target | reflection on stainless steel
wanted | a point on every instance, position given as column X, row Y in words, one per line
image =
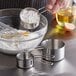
column 65, row 67
column 42, row 10
column 62, row 65
column 25, row 60
column 54, row 49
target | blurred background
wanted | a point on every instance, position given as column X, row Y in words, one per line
column 4, row 4
column 22, row 3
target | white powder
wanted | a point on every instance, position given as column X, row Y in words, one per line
column 15, row 42
column 29, row 16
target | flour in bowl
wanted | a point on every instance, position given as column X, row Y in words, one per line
column 18, row 40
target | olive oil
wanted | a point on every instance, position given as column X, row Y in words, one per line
column 64, row 16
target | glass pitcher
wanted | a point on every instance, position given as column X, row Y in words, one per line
column 54, row 5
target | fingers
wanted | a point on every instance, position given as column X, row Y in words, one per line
column 51, row 3
column 56, row 7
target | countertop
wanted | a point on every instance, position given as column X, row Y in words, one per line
column 66, row 67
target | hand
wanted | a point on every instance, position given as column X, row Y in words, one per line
column 54, row 5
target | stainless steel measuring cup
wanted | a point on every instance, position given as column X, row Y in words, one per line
column 54, row 50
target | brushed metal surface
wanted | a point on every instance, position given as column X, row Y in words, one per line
column 66, row 67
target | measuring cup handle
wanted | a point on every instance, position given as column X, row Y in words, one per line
column 42, row 10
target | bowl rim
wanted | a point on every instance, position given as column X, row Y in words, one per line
column 40, row 35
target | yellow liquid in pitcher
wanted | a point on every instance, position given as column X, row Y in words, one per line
column 64, row 16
